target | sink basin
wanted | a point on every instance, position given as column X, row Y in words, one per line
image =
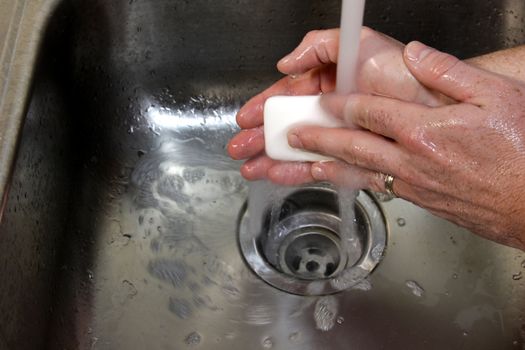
column 120, row 218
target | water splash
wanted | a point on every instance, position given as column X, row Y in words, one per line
column 294, row 337
column 351, row 278
column 365, row 285
column 348, row 230
column 325, row 313
column 415, row 288
column 377, row 252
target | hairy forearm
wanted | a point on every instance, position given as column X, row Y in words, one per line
column 510, row 62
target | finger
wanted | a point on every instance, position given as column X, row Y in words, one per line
column 290, row 173
column 310, row 83
column 257, row 168
column 348, row 176
column 283, row 173
column 356, row 147
column 381, row 115
column 447, row 74
column 319, row 47
column 247, row 143
column 403, row 189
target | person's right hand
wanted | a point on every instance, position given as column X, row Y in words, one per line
column 310, row 70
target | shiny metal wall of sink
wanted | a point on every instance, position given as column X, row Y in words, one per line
column 120, row 213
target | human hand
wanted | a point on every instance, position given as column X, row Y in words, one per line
column 310, row 70
column 464, row 162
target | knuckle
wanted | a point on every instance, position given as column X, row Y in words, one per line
column 363, row 157
column 379, row 119
column 440, row 64
column 506, row 91
column 416, row 137
column 349, row 153
column 408, row 177
column 352, row 111
column 376, row 160
column 372, row 118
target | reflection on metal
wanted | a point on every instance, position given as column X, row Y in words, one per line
column 120, row 224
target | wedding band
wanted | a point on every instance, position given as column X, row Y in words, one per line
column 389, row 185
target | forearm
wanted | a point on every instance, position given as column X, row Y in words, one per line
column 510, row 62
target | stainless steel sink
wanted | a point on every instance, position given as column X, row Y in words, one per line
column 121, row 208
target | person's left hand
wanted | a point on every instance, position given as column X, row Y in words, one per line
column 464, row 162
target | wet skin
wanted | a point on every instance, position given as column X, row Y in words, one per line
column 453, row 135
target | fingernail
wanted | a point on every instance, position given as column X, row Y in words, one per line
column 318, row 172
column 284, row 60
column 294, row 141
column 416, row 51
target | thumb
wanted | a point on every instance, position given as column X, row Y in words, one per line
column 445, row 73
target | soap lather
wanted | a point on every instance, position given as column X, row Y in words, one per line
column 283, row 113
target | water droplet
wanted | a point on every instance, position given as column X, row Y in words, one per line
column 340, row 320
column 517, row 276
column 377, row 252
column 90, row 274
column 465, row 333
column 455, row 276
column 267, row 343
column 193, row 339
column 129, row 289
column 294, row 336
column 416, row 289
column 401, row 222
column 230, row 335
column 515, row 342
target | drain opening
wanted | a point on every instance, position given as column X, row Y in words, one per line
column 301, row 252
column 310, row 254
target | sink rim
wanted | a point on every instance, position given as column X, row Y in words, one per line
column 23, row 22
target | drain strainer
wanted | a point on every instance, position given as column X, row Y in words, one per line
column 295, row 245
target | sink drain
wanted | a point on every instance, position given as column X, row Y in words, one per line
column 296, row 245
column 310, row 251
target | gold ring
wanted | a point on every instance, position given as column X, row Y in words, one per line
column 389, row 185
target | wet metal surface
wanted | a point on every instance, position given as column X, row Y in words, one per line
column 119, row 229
column 292, row 239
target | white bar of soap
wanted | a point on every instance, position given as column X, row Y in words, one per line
column 282, row 113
